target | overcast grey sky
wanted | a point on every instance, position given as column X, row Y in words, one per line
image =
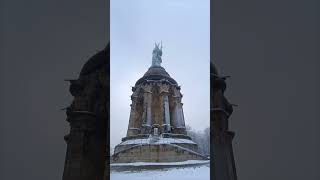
column 184, row 29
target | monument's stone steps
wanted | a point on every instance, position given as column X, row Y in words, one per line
column 156, row 153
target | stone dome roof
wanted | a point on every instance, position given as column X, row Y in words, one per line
column 96, row 61
column 213, row 69
column 156, row 73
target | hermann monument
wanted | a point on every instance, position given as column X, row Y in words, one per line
column 156, row 130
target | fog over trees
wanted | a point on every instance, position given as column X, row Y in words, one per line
column 202, row 138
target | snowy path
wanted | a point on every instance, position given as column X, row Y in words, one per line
column 187, row 173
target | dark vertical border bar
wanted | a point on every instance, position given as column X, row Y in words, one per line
column 212, row 32
column 107, row 133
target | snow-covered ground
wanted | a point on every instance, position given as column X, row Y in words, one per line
column 188, row 162
column 183, row 173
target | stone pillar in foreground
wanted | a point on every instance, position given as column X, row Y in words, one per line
column 220, row 111
column 88, row 116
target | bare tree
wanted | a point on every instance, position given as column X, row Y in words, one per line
column 202, row 138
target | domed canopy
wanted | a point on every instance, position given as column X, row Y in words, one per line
column 213, row 69
column 96, row 61
column 156, row 73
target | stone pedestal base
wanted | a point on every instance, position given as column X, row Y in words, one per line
column 156, row 150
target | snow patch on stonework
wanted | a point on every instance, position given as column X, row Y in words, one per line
column 188, row 162
column 160, row 140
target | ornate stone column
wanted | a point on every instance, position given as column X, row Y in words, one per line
column 164, row 91
column 166, row 123
column 132, row 129
column 181, row 124
column 147, row 102
column 182, row 116
column 177, row 114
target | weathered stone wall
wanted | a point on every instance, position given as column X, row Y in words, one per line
column 155, row 153
column 153, row 95
column 192, row 147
